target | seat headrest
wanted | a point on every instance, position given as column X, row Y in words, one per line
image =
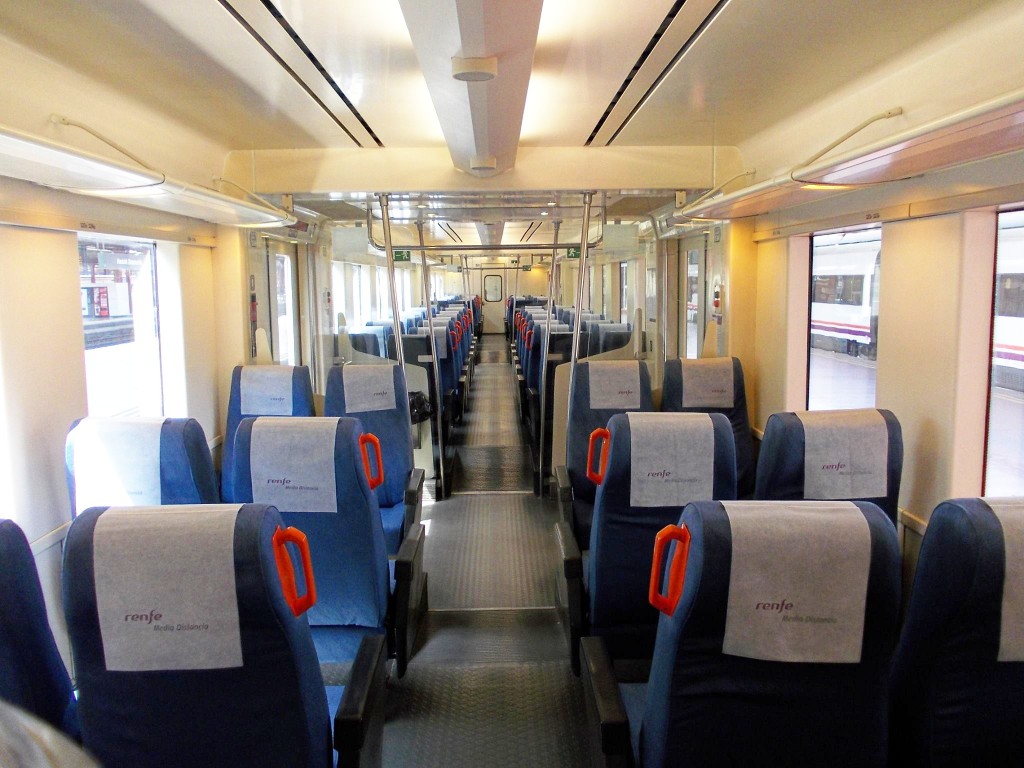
column 1010, row 514
column 708, row 383
column 291, row 463
column 798, row 581
column 615, row 384
column 846, row 454
column 672, row 458
column 368, row 388
column 116, row 461
column 165, row 587
column 266, row 390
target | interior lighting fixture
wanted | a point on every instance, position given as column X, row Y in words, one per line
column 474, row 69
column 59, row 166
column 483, row 163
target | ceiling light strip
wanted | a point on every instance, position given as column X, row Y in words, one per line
column 272, row 9
column 669, row 17
column 284, row 65
column 668, row 69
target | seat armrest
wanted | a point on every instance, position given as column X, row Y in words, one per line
column 606, row 714
column 575, row 593
column 409, row 601
column 414, row 496
column 563, row 492
column 572, row 559
column 359, row 721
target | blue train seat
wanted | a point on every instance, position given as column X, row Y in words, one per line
column 138, row 462
column 779, row 622
column 958, row 672
column 191, row 646
column 316, row 472
column 377, row 396
column 611, row 336
column 261, row 390
column 714, row 385
column 32, row 675
column 853, row 455
column 600, row 390
column 656, row 464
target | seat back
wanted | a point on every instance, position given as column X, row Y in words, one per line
column 714, row 385
column 657, row 463
column 853, row 455
column 261, row 390
column 613, row 336
column 960, row 660
column 377, row 396
column 187, row 651
column 777, row 651
column 311, row 469
column 600, row 390
column 138, row 462
column 32, row 675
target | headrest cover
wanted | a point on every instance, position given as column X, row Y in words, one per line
column 117, row 461
column 369, row 388
column 266, row 390
column 1010, row 513
column 798, row 581
column 672, row 458
column 708, row 383
column 292, row 464
column 615, row 384
column 846, row 454
column 165, row 587
column 440, row 341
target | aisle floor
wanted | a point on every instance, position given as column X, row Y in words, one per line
column 490, row 683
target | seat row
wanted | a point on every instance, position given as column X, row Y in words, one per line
column 641, row 467
column 779, row 642
column 190, row 642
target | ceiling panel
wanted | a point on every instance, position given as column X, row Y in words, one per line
column 759, row 62
column 366, row 47
column 585, row 50
column 189, row 60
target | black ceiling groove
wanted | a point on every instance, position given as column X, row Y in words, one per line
column 272, row 9
column 669, row 17
column 668, row 68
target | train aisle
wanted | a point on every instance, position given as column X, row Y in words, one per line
column 490, row 683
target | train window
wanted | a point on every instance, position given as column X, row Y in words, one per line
column 492, row 288
column 284, row 267
column 623, row 292
column 692, row 296
column 843, row 323
column 1004, row 457
column 122, row 329
column 338, row 300
column 383, row 294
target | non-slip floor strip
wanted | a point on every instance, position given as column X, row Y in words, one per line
column 493, row 468
column 491, row 552
column 496, row 715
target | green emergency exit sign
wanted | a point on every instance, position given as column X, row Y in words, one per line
column 572, row 253
column 403, row 255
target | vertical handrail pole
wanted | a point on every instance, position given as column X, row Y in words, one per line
column 584, row 249
column 395, row 320
column 553, row 286
column 425, row 269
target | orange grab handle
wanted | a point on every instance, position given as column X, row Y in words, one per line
column 371, row 439
column 598, row 434
column 466, row 321
column 529, row 338
column 282, row 536
column 677, row 570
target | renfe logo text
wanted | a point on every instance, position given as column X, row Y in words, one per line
column 144, row 618
column 782, row 605
column 836, row 467
column 282, row 481
column 661, row 474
